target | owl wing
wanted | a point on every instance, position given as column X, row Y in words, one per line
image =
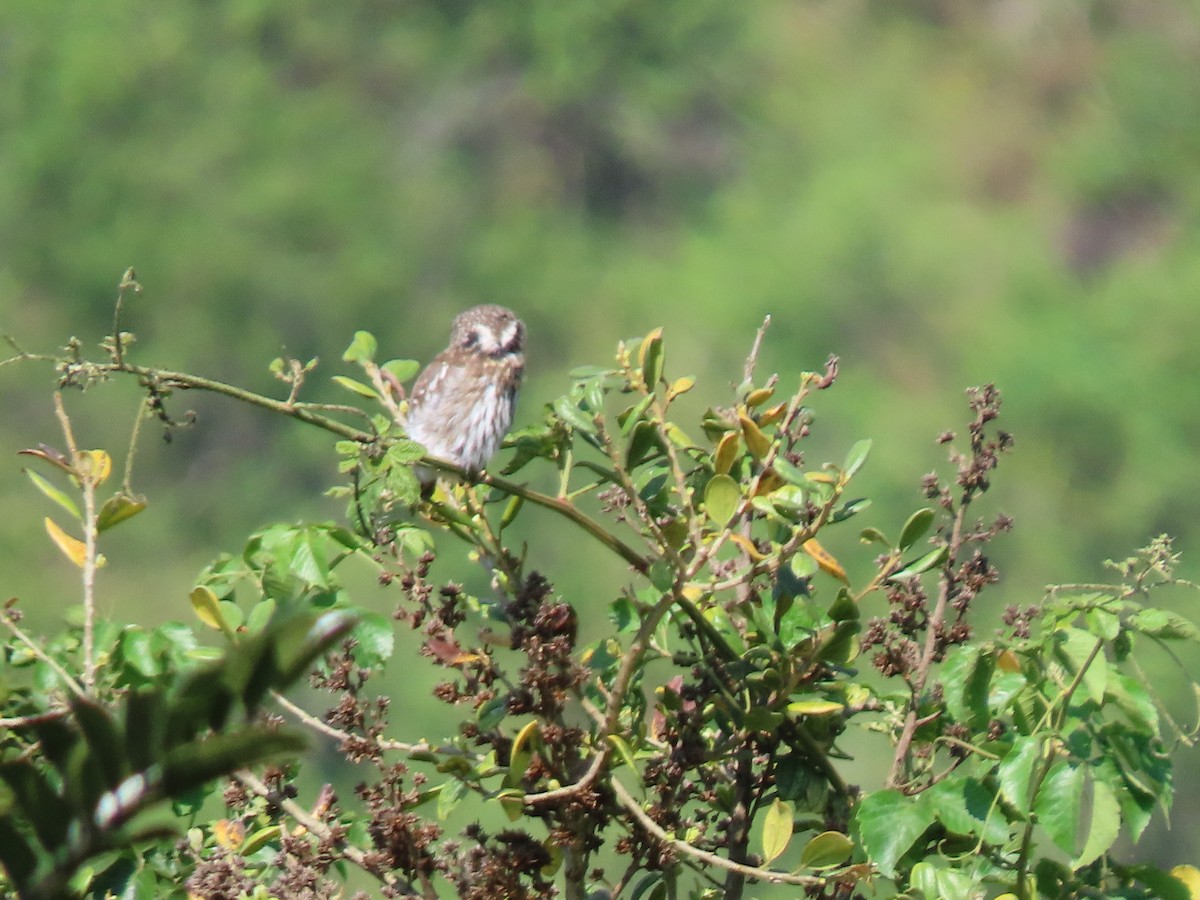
column 443, row 386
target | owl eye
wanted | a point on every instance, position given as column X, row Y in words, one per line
column 472, row 340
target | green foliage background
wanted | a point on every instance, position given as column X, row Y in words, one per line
column 941, row 192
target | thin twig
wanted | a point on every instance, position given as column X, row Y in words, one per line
column 87, row 484
column 50, row 715
column 127, row 481
column 752, row 358
column 933, row 631
column 634, row 808
column 312, row 824
column 337, row 734
column 72, row 685
column 306, row 414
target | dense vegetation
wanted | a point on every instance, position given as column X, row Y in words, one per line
column 942, row 193
column 695, row 749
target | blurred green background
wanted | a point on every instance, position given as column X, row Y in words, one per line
column 942, row 192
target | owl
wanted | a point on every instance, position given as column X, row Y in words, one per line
column 462, row 404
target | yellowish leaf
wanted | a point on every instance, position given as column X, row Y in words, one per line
column 826, row 560
column 117, row 509
column 727, row 451
column 647, row 343
column 814, row 707
column 521, row 754
column 512, row 801
column 93, row 466
column 1007, row 661
column 778, row 824
column 208, row 609
column 73, row 549
column 680, row 386
column 756, row 442
column 229, row 833
column 759, row 397
column 555, row 851
column 722, row 498
column 527, row 736
column 748, row 545
column 772, row 415
column 1190, row 876
column 767, row 482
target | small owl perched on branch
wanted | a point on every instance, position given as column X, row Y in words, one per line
column 462, row 403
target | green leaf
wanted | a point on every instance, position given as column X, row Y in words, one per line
column 915, row 528
column 1162, row 886
column 1016, row 771
column 889, row 823
column 873, row 535
column 934, row 882
column 966, row 676
column 16, row 855
column 924, row 563
column 260, row 615
column 512, row 801
column 777, row 829
column 307, row 560
column 404, row 452
column 574, row 416
column 401, row 369
column 491, row 713
column 53, row 493
column 1163, row 624
column 855, row 459
column 32, row 794
column 105, row 745
column 1003, row 689
column 788, row 472
column 356, row 387
column 451, row 794
column 1134, row 700
column 260, row 839
column 644, row 445
column 721, row 498
column 816, row 706
column 830, row 848
column 1077, row 647
column 623, row 750
column 1104, row 826
column 143, row 726
column 1059, row 803
column 650, row 356
column 631, row 417
column 362, row 348
column 1103, row 624
column 966, row 807
column 135, row 649
column 375, row 637
column 117, row 509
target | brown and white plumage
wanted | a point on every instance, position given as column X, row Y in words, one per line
column 462, row 404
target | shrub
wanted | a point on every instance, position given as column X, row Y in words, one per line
column 695, row 749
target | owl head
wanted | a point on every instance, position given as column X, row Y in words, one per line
column 489, row 330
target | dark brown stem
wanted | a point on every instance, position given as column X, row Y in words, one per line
column 933, row 630
column 739, row 821
column 307, row 414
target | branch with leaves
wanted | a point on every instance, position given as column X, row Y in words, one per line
column 701, row 735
